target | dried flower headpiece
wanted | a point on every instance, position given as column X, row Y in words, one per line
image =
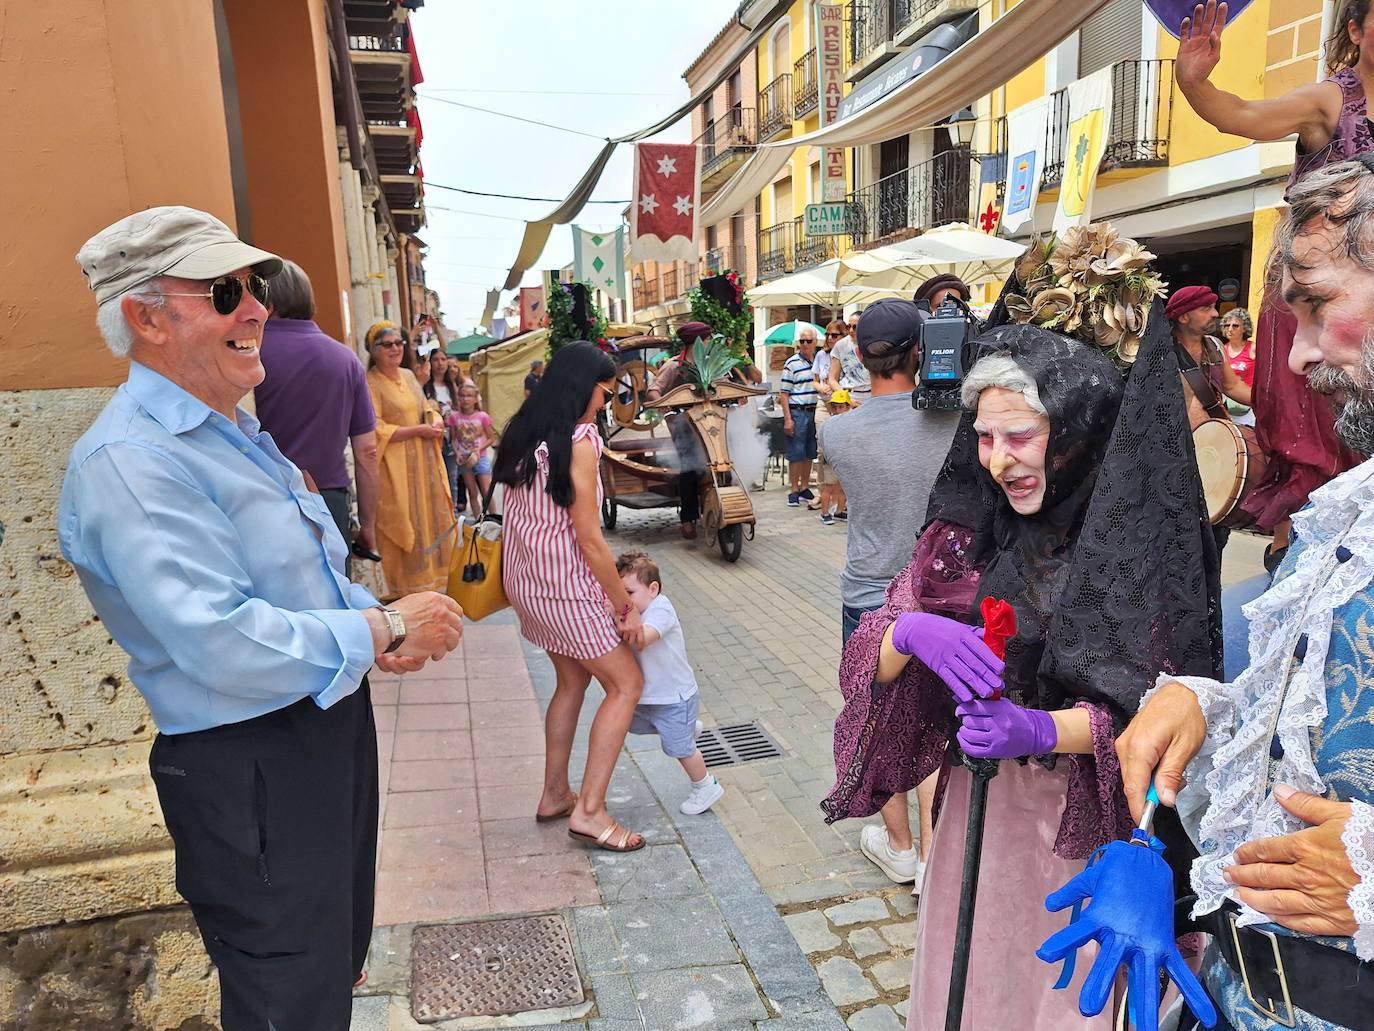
column 1089, row 284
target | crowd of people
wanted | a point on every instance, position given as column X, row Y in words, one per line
column 1049, row 649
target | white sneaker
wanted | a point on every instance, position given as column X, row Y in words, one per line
column 920, row 879
column 900, row 867
column 702, row 798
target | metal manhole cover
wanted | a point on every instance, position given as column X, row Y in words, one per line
column 736, row 743
column 491, row 967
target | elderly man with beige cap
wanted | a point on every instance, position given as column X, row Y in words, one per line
column 221, row 575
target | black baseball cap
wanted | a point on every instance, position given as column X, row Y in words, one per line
column 891, row 320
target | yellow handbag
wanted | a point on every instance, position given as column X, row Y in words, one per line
column 474, row 574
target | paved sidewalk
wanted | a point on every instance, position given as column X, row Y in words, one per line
column 678, row 935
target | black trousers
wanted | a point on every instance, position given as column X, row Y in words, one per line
column 275, row 826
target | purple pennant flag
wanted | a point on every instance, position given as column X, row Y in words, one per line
column 1170, row 13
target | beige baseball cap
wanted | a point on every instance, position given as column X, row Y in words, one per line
column 166, row 241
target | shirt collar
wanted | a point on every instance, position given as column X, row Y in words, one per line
column 172, row 406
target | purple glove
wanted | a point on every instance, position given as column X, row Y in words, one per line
column 952, row 651
column 1004, row 730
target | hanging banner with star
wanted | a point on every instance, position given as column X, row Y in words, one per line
column 667, row 190
column 599, row 259
column 1090, row 108
column 1025, row 161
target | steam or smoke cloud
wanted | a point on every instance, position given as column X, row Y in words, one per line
column 748, row 445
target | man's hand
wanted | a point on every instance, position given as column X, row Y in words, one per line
column 787, row 427
column 399, row 663
column 1301, row 880
column 1160, row 743
column 367, row 537
column 1199, row 43
column 434, row 624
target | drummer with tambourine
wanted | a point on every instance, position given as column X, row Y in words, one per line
column 1228, row 455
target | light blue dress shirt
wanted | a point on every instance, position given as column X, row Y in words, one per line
column 209, row 561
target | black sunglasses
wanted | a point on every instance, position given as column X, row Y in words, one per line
column 829, row 334
column 226, row 292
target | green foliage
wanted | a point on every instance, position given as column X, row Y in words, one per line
column 737, row 330
column 711, row 360
column 562, row 329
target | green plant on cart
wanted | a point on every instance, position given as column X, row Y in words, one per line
column 564, row 330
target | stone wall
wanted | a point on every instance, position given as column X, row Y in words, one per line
column 91, row 925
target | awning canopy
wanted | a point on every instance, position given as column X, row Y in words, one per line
column 464, row 346
column 1009, row 45
column 973, row 256
column 818, row 286
column 924, row 54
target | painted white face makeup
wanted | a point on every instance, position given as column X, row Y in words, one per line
column 1012, row 439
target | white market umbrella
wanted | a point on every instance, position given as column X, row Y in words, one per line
column 816, row 286
column 973, row 256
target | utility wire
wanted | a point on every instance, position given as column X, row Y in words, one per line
column 554, row 92
column 513, row 196
column 516, row 118
column 478, row 214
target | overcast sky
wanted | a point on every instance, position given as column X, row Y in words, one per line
column 538, row 59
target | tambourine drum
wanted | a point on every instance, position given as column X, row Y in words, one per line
column 1230, row 462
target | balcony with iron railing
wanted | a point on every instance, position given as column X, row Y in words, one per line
column 805, row 85
column 1138, row 129
column 725, row 143
column 868, row 35
column 777, row 250
column 719, row 260
column 810, row 251
column 775, row 108
column 915, row 199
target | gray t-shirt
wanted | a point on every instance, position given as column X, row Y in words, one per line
column 886, row 456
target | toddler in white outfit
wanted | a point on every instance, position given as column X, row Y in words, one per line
column 668, row 706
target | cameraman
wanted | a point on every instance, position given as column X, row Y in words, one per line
column 935, row 289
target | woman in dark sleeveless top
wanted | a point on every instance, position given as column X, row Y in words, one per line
column 1329, row 118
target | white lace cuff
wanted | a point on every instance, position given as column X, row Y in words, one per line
column 1218, row 709
column 1358, row 839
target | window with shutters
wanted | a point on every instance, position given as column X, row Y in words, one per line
column 1109, row 36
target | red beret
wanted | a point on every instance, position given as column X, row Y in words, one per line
column 1189, row 298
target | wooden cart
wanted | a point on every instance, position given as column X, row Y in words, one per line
column 639, row 468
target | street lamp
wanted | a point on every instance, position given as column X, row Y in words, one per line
column 962, row 126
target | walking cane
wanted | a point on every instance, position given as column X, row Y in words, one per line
column 999, row 624
column 983, row 770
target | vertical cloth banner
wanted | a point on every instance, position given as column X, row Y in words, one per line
column 599, row 259
column 1170, row 13
column 667, row 192
column 991, row 172
column 830, row 91
column 1090, row 111
column 1025, row 162
column 532, row 314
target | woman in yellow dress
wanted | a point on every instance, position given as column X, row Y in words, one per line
column 415, row 510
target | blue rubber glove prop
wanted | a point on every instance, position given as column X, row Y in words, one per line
column 1131, row 917
column 1001, row 729
column 953, row 651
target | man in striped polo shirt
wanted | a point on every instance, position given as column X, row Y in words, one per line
column 799, row 397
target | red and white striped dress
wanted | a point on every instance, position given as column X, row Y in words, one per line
column 562, row 607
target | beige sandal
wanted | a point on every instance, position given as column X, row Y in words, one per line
column 603, row 840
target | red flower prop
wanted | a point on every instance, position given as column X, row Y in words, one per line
column 999, row 625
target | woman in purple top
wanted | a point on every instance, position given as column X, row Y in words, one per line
column 1329, row 118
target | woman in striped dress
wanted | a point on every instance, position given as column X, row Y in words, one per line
column 561, row 580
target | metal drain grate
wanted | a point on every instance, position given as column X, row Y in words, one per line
column 491, row 967
column 736, row 743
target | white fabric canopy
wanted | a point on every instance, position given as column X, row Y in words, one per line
column 973, row 256
column 752, row 179
column 1009, row 45
column 818, row 286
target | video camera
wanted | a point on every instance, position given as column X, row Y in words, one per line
column 946, row 352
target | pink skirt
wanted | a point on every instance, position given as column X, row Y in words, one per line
column 1008, row 987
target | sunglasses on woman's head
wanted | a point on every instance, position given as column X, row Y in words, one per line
column 226, row 292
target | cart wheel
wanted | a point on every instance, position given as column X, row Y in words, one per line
column 608, row 513
column 731, row 540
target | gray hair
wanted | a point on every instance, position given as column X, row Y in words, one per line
column 1341, row 196
column 290, row 293
column 999, row 370
column 110, row 320
column 1247, row 324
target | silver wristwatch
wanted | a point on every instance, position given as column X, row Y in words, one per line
column 396, row 625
